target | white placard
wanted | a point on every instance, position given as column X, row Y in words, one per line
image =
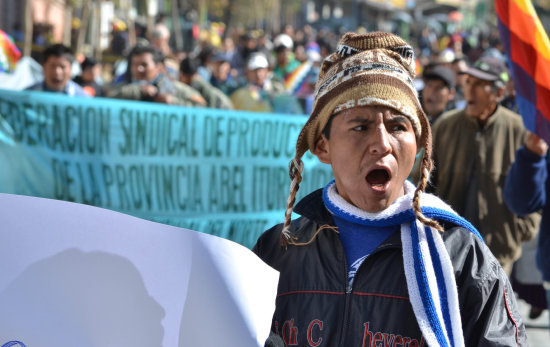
column 76, row 275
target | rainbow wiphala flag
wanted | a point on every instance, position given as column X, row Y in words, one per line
column 9, row 53
column 528, row 50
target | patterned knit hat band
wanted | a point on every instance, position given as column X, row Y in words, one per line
column 366, row 70
column 376, row 60
column 364, row 92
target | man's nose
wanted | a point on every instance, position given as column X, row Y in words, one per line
column 380, row 141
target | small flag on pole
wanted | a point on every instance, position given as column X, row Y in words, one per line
column 528, row 50
column 295, row 80
column 9, row 53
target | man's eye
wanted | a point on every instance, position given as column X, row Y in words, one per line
column 360, row 128
column 398, row 127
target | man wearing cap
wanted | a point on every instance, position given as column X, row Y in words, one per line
column 260, row 90
column 285, row 63
column 438, row 92
column 221, row 77
column 372, row 259
column 474, row 148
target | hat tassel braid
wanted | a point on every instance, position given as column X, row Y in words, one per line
column 295, row 169
column 426, row 168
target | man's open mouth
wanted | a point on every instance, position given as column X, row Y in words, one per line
column 378, row 177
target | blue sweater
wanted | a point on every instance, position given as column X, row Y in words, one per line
column 359, row 241
column 525, row 191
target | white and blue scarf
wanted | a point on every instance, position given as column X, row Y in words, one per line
column 428, row 268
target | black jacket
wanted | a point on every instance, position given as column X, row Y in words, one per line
column 314, row 307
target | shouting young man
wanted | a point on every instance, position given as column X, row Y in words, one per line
column 372, row 260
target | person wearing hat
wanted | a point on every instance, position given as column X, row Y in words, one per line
column 260, row 89
column 446, row 57
column 221, row 76
column 474, row 148
column 285, row 62
column 373, row 258
column 438, row 93
column 119, row 37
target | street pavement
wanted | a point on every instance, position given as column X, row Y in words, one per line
column 538, row 332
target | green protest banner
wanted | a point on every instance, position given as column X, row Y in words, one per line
column 220, row 172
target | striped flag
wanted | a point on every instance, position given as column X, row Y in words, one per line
column 9, row 53
column 295, row 80
column 528, row 50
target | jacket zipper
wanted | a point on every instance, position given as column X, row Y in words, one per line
column 347, row 304
column 349, row 293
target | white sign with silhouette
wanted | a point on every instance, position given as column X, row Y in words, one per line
column 77, row 275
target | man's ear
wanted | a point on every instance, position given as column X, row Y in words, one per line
column 501, row 94
column 322, row 150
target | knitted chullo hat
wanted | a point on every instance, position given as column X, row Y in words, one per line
column 367, row 69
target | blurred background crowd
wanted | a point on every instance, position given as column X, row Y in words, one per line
column 258, row 56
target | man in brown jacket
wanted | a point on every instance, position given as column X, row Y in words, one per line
column 474, row 148
column 146, row 80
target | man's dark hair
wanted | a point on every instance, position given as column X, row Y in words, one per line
column 138, row 49
column 158, row 57
column 205, row 53
column 326, row 129
column 58, row 50
column 189, row 66
column 88, row 62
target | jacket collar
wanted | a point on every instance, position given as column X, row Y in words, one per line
column 492, row 118
column 313, row 208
